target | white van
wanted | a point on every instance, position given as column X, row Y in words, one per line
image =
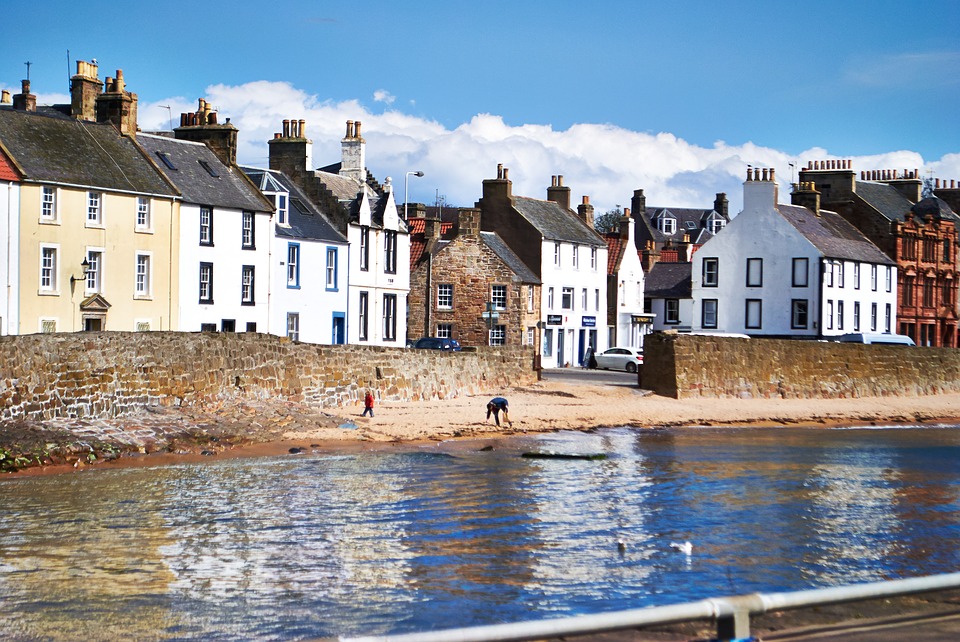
column 877, row 337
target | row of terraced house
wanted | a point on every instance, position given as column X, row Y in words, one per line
column 111, row 228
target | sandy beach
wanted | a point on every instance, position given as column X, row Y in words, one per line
column 244, row 427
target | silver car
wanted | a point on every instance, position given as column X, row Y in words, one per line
column 619, row 359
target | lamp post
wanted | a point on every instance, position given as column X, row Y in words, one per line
column 406, row 184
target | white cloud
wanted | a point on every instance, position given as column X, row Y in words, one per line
column 384, row 96
column 603, row 161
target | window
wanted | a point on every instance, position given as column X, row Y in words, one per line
column 251, row 326
column 856, row 316
column 929, row 250
column 498, row 296
column 209, row 169
column 873, row 279
column 94, row 274
column 671, row 313
column 363, row 316
column 754, row 273
column 293, row 326
column 390, row 317
column 596, row 299
column 839, row 315
column 667, row 224
column 547, row 342
column 909, row 247
column 247, row 234
column 144, row 221
column 709, row 313
column 445, row 296
column 208, row 327
column 48, row 325
column 529, row 298
column 444, row 330
column 390, row 252
column 48, row 269
column 141, row 326
column 715, row 225
column 364, row 249
column 873, row 317
column 331, row 271
column 247, row 289
column 280, row 202
column 840, row 279
column 830, row 315
column 753, row 317
column 583, row 300
column 556, row 254
column 946, row 250
column 799, row 314
column 293, row 265
column 531, row 336
column 576, row 256
column 828, row 274
column 48, row 205
column 566, row 300
column 711, row 267
column 143, row 276
column 206, row 283
column 888, row 319
column 165, row 159
column 889, row 283
column 928, row 301
column 800, row 272
column 856, row 276
column 498, row 335
column 549, row 298
column 206, row 226
column 94, row 209
column 593, row 258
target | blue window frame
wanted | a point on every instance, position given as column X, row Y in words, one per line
column 293, row 265
column 331, row 270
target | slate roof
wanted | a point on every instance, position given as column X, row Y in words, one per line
column 556, row 223
column 668, row 281
column 511, row 260
column 305, row 219
column 833, row 236
column 690, row 221
column 54, row 148
column 228, row 188
column 885, row 199
column 936, row 207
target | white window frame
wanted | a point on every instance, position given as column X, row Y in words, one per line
column 206, row 226
column 566, row 298
column 556, row 254
column 293, row 265
column 282, row 203
column 144, row 215
column 94, row 209
column 205, row 286
column 143, row 275
column 389, row 317
column 363, row 316
column 497, row 335
column 576, row 257
column 331, row 269
column 93, row 281
column 593, row 259
column 248, row 231
column 248, row 283
column 293, row 326
column 444, row 331
column 48, row 206
column 529, row 298
column 498, row 296
column 550, row 298
column 445, row 296
column 49, row 277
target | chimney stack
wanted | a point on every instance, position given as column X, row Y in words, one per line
column 499, row 190
column 469, row 222
column 760, row 190
column 5, row 97
column 289, row 153
column 806, row 195
column 117, row 105
column 85, row 88
column 721, row 205
column 353, row 154
column 584, row 210
column 558, row 193
column 201, row 127
column 25, row 101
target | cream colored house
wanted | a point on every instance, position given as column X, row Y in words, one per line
column 95, row 244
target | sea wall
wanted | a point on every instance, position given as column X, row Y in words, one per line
column 683, row 366
column 44, row 376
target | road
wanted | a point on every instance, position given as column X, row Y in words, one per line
column 594, row 377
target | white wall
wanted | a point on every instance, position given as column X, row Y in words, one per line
column 10, row 265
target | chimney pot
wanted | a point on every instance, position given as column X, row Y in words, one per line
column 303, row 128
column 506, row 173
column 586, row 199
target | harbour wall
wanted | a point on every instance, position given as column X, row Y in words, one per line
column 109, row 374
column 684, row 366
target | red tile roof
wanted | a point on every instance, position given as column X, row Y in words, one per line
column 615, row 246
column 7, row 171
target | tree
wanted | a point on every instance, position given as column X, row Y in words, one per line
column 609, row 221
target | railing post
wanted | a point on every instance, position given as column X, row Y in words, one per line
column 735, row 626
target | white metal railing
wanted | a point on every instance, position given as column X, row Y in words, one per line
column 731, row 614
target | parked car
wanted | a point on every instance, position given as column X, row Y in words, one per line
column 619, row 359
column 436, row 343
column 877, row 337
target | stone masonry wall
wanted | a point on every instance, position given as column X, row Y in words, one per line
column 45, row 376
column 683, row 366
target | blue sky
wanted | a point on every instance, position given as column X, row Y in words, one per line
column 673, row 97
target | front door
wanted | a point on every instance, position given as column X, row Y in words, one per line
column 560, row 347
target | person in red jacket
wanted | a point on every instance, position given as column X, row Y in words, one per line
column 367, row 404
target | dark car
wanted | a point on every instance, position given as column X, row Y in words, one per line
column 435, row 343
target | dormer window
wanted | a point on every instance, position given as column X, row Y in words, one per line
column 667, row 224
column 715, row 224
column 280, row 202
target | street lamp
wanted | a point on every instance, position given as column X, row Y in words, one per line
column 406, row 184
column 85, row 264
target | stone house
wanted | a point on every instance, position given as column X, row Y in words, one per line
column 469, row 285
column 791, row 271
column 365, row 212
column 919, row 234
column 91, row 239
column 565, row 253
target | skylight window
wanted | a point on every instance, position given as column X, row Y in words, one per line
column 205, row 165
column 691, row 225
column 166, row 160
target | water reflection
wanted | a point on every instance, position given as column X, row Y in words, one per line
column 416, row 539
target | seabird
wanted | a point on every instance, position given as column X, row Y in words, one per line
column 686, row 547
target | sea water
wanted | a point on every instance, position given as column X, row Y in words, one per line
column 408, row 538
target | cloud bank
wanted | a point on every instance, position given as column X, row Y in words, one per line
column 603, row 161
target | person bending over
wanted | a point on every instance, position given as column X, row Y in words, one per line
column 497, row 405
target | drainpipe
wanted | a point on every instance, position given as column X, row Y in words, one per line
column 820, row 287
column 428, row 317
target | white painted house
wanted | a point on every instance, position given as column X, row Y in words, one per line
column 222, row 241
column 10, row 230
column 792, row 271
column 366, row 213
column 626, row 318
column 309, row 265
